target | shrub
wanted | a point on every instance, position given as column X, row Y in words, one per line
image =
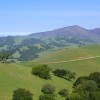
column 60, row 72
column 71, row 75
column 66, row 74
column 80, row 80
column 42, row 71
column 63, row 92
column 22, row 94
column 48, row 89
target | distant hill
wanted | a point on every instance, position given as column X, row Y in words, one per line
column 74, row 31
column 65, row 31
column 69, row 54
column 67, row 59
column 30, row 46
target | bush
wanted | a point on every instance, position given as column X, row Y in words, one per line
column 59, row 72
column 66, row 74
column 48, row 89
column 42, row 71
column 63, row 92
column 47, row 97
column 71, row 75
column 22, row 94
column 80, row 80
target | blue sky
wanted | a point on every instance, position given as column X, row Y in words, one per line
column 18, row 17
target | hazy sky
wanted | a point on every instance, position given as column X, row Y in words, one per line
column 28, row 16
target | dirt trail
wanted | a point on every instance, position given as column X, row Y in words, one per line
column 80, row 59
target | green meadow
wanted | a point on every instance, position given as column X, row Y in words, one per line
column 13, row 76
column 18, row 75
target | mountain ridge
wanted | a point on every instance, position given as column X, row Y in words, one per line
column 66, row 29
column 28, row 47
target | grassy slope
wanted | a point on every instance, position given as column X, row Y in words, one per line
column 81, row 67
column 13, row 76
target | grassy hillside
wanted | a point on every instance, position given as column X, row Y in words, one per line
column 13, row 76
column 69, row 54
column 83, row 67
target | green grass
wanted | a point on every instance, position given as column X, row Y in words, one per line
column 13, row 76
column 68, row 54
column 83, row 67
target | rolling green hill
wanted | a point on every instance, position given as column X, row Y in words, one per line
column 64, row 59
column 13, row 76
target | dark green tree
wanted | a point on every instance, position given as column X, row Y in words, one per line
column 71, row 75
column 43, row 71
column 48, row 89
column 63, row 92
column 60, row 72
column 22, row 94
column 80, row 80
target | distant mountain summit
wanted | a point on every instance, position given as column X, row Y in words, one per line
column 69, row 31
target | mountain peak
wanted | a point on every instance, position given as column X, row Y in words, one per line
column 75, row 26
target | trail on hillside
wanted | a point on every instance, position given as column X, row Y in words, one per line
column 80, row 59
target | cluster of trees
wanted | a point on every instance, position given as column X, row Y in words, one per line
column 84, row 88
column 43, row 71
column 48, row 93
column 9, row 41
column 25, row 55
column 66, row 74
column 30, row 53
